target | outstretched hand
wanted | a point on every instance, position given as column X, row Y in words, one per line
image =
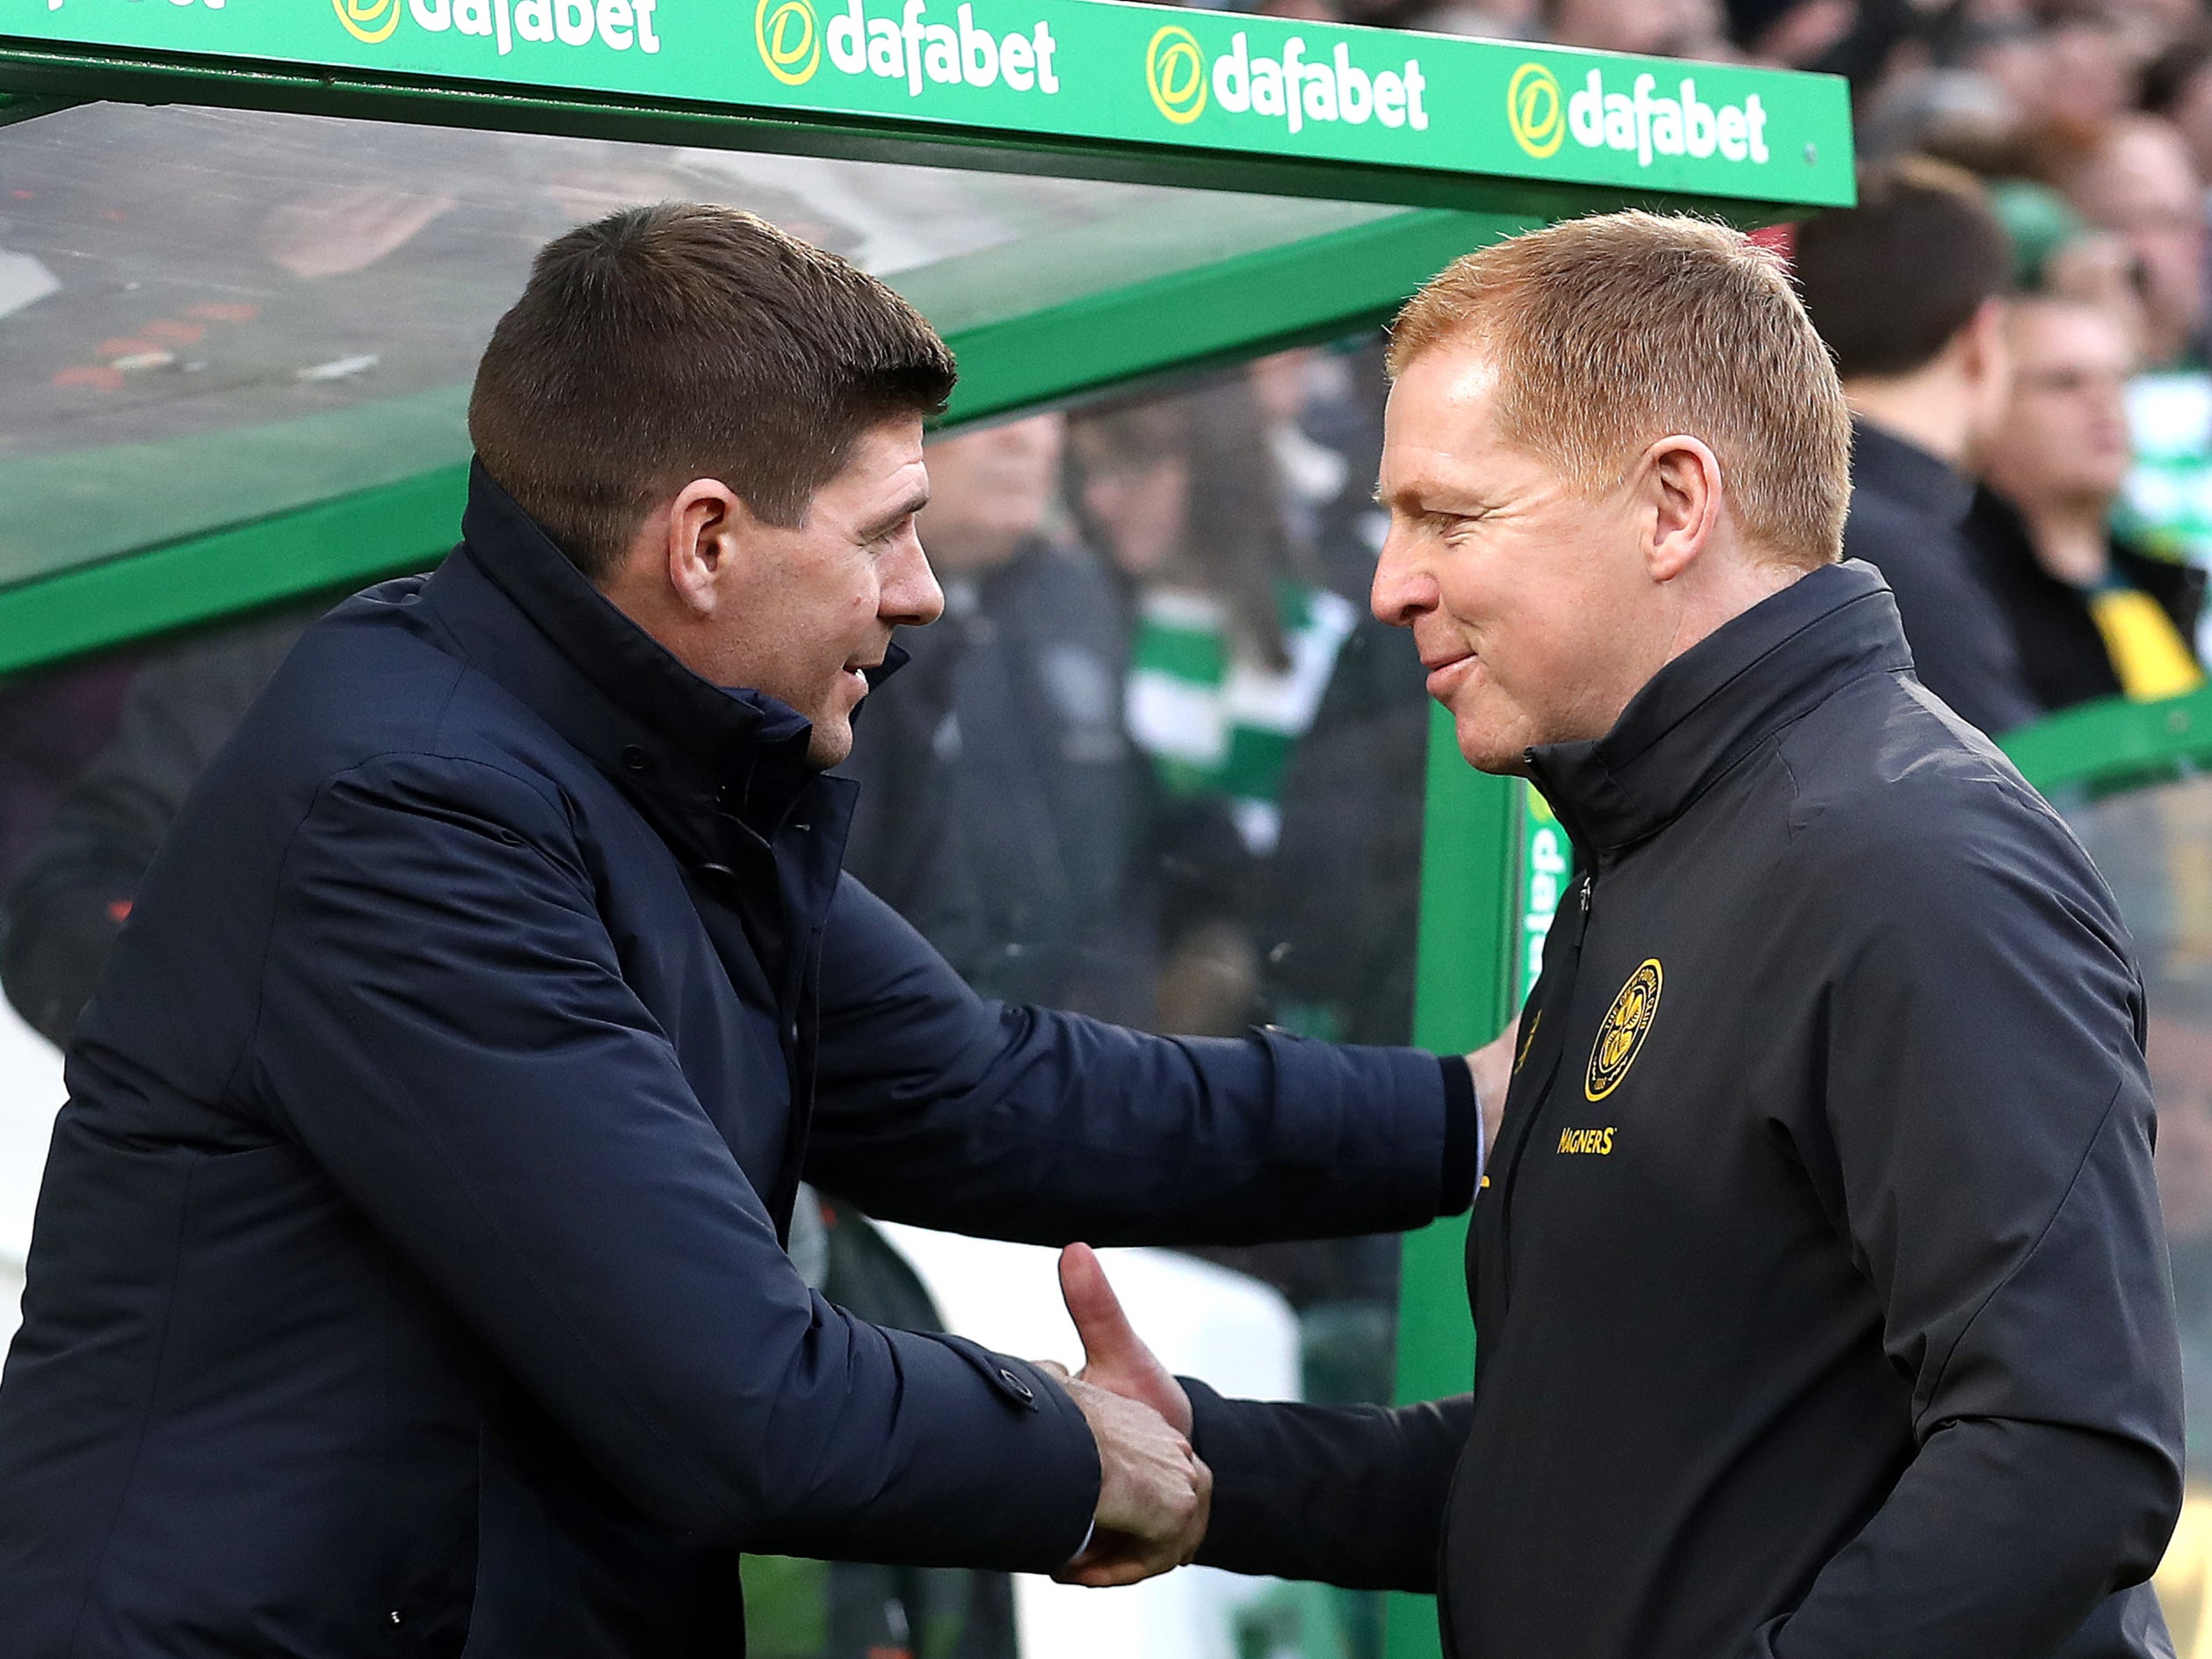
column 1115, row 1357
column 1155, row 1495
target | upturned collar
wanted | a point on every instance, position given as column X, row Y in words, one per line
column 689, row 748
column 1705, row 710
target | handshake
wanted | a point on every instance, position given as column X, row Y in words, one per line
column 1153, row 1493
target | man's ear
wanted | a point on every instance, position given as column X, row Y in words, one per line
column 1683, row 478
column 699, row 539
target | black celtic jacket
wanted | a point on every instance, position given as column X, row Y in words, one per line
column 1821, row 1296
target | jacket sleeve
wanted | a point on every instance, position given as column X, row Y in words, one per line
column 1348, row 1495
column 445, row 1028
column 1984, row 1143
column 938, row 1108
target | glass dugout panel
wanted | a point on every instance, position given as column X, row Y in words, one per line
column 2154, row 846
column 210, row 315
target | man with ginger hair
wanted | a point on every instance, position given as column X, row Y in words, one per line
column 1821, row 1305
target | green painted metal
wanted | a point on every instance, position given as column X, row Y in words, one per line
column 1465, row 986
column 18, row 107
column 2114, row 744
column 1225, row 101
column 343, row 542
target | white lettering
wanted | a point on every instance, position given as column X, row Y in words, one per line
column 1294, row 72
column 614, row 24
column 1048, row 83
column 1390, row 99
column 533, row 19
column 940, row 54
column 1267, row 87
column 437, row 16
column 848, row 39
column 978, row 51
column 1355, row 93
column 1416, row 117
column 572, row 21
column 1586, row 113
column 1731, row 124
column 886, row 56
column 911, row 32
column 1321, row 93
column 643, row 11
column 1232, row 77
column 473, row 17
column 1017, row 62
column 1755, row 113
column 1698, row 130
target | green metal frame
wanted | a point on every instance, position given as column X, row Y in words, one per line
column 2116, row 745
column 1136, row 93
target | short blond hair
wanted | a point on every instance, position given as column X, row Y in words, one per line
column 1612, row 332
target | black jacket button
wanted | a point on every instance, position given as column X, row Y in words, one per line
column 1015, row 1385
column 635, row 759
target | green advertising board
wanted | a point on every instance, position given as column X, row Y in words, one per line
column 1371, row 114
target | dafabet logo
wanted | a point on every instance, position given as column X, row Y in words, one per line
column 1175, row 75
column 1637, row 121
column 789, row 43
column 618, row 26
column 906, row 47
column 1289, row 87
column 1535, row 111
column 369, row 20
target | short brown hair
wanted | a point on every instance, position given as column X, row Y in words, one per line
column 1612, row 332
column 683, row 341
column 1890, row 282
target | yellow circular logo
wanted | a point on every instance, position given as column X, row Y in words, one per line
column 1175, row 73
column 369, row 20
column 1622, row 1034
column 790, row 44
column 1534, row 110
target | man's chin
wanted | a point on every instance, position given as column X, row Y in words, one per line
column 1488, row 747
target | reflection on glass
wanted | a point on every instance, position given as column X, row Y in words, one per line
column 2154, row 847
column 208, row 315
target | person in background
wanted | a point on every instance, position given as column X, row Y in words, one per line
column 1231, row 650
column 2092, row 615
column 2137, row 181
column 1906, row 289
column 997, row 811
column 1647, row 28
column 2177, row 86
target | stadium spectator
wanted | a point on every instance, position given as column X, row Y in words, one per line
column 2137, row 181
column 1648, row 28
column 2092, row 615
column 1231, row 652
column 1906, row 289
column 997, row 811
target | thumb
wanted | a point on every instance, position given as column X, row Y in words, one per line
column 1108, row 1339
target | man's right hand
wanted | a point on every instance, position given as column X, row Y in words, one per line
column 1153, row 1493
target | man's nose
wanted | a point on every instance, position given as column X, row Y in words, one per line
column 911, row 597
column 1403, row 588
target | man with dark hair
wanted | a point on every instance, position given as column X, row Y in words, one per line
column 409, row 1269
column 1907, row 290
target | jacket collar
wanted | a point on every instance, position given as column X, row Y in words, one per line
column 1702, row 712
column 1883, row 464
column 684, row 749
